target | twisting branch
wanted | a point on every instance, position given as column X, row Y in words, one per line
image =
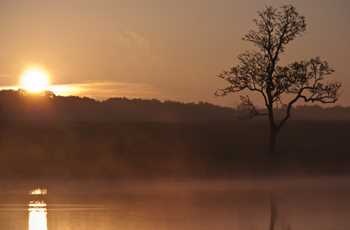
column 305, row 80
column 247, row 108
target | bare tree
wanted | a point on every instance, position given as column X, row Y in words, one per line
column 260, row 71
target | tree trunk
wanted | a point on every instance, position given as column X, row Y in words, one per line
column 274, row 129
column 273, row 140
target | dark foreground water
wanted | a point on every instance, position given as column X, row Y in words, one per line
column 303, row 204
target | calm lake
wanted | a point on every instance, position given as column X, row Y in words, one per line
column 303, row 204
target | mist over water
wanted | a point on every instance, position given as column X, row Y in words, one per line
column 237, row 204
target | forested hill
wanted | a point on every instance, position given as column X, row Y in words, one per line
column 17, row 105
column 123, row 138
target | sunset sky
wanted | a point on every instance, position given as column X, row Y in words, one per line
column 162, row 49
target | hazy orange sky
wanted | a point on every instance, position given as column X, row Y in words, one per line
column 155, row 48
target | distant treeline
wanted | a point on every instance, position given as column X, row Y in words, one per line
column 17, row 105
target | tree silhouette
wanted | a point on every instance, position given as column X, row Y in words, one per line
column 260, row 71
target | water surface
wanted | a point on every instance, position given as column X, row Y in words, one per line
column 321, row 204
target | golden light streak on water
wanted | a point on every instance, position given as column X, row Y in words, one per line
column 38, row 191
column 37, row 219
column 37, row 216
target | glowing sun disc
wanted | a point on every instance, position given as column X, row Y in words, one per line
column 34, row 80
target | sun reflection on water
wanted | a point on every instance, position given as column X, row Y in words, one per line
column 37, row 208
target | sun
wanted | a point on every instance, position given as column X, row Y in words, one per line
column 35, row 80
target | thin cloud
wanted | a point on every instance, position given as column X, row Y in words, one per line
column 100, row 90
column 103, row 90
